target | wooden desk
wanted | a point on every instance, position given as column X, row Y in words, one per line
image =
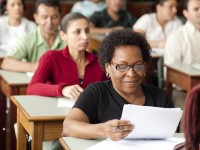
column 70, row 143
column 11, row 83
column 182, row 75
column 95, row 42
column 40, row 118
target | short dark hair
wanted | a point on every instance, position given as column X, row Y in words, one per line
column 70, row 17
column 119, row 38
column 50, row 3
column 4, row 3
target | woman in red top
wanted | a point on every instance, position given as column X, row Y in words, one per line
column 68, row 71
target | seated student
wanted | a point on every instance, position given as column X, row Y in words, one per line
column 183, row 46
column 191, row 119
column 26, row 51
column 124, row 54
column 69, row 71
column 88, row 7
column 158, row 26
column 113, row 17
column 13, row 24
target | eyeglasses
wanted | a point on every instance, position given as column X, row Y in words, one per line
column 124, row 67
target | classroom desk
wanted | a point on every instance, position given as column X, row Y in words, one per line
column 39, row 117
column 182, row 75
column 95, row 42
column 70, row 143
column 11, row 83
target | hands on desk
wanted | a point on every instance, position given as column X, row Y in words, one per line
column 72, row 91
column 117, row 129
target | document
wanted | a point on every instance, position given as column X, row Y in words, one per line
column 167, row 144
column 151, row 122
column 30, row 74
column 65, row 102
column 196, row 66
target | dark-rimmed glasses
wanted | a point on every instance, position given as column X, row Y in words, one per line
column 123, row 67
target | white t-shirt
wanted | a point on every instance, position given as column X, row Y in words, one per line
column 153, row 30
column 87, row 7
column 8, row 33
column 183, row 46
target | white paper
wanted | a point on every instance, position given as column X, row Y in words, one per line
column 30, row 74
column 65, row 102
column 196, row 66
column 167, row 144
column 151, row 122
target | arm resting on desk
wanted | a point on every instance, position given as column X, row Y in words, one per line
column 12, row 64
column 76, row 124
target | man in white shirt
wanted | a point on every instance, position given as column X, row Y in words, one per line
column 184, row 45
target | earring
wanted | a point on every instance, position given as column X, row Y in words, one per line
column 107, row 75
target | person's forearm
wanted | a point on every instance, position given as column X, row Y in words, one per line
column 82, row 130
column 12, row 64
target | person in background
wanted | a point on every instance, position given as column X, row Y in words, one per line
column 113, row 17
column 13, row 24
column 26, row 51
column 67, row 72
column 191, row 119
column 124, row 55
column 88, row 7
column 183, row 46
column 158, row 26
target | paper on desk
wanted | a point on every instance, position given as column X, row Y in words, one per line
column 167, row 144
column 65, row 102
column 151, row 122
column 30, row 74
column 196, row 66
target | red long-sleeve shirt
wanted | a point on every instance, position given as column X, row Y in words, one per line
column 56, row 69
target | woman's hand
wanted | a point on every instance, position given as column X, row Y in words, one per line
column 72, row 91
column 117, row 129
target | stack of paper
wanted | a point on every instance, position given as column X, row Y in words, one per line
column 167, row 144
column 152, row 122
column 154, row 128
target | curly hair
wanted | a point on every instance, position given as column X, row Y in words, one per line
column 124, row 37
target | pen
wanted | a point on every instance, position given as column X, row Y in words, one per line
column 116, row 127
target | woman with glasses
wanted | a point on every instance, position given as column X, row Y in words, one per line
column 124, row 55
column 68, row 71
